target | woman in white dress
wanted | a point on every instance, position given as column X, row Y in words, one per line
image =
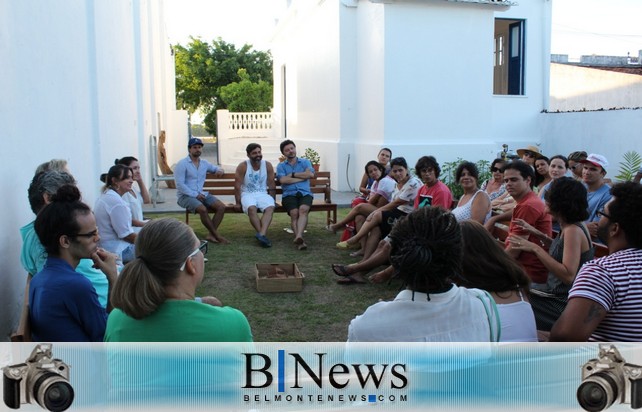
column 135, row 198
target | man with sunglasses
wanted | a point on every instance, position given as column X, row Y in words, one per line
column 605, row 301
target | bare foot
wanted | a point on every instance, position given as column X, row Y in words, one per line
column 381, row 276
column 357, row 253
column 211, row 239
column 223, row 241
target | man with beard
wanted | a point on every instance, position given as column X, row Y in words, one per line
column 605, row 301
column 294, row 174
column 254, row 191
column 189, row 175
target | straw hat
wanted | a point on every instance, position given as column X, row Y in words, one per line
column 534, row 149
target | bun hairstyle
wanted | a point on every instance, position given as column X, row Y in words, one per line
column 116, row 172
column 162, row 246
column 426, row 249
column 59, row 218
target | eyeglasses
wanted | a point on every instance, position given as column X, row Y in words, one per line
column 600, row 213
column 91, row 234
column 529, row 154
column 201, row 248
column 496, row 170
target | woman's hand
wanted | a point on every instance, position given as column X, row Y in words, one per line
column 526, row 226
column 519, row 243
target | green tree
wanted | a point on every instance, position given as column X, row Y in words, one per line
column 247, row 96
column 202, row 69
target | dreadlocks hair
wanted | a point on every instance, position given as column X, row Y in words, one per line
column 426, row 249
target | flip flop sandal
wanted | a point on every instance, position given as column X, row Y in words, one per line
column 349, row 280
column 340, row 270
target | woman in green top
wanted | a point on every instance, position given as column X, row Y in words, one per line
column 154, row 300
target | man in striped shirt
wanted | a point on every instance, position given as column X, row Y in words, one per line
column 605, row 302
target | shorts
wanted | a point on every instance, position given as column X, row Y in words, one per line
column 191, row 203
column 388, row 220
column 296, row 201
column 261, row 200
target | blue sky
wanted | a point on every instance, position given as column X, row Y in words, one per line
column 611, row 27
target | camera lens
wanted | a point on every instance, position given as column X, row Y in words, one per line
column 597, row 392
column 53, row 392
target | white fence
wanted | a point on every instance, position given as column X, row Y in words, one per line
column 237, row 130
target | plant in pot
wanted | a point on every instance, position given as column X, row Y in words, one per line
column 314, row 158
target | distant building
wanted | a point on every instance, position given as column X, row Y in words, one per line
column 595, row 83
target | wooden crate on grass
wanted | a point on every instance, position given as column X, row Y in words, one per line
column 278, row 277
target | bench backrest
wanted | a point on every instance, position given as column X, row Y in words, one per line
column 225, row 185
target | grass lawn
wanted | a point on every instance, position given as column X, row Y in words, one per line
column 319, row 313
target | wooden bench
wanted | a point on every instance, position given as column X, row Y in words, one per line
column 23, row 333
column 320, row 184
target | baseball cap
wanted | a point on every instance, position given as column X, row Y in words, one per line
column 596, row 160
column 193, row 141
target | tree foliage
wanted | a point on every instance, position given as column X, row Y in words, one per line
column 247, row 96
column 202, row 69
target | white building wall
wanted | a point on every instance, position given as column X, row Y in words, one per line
column 585, row 88
column 412, row 75
column 75, row 86
column 610, row 133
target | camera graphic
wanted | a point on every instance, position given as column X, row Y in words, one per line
column 41, row 378
column 608, row 379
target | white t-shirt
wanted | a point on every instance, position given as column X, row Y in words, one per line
column 114, row 221
column 457, row 315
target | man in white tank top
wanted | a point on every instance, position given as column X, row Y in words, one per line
column 254, row 191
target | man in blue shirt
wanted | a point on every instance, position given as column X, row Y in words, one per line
column 294, row 174
column 189, row 175
column 599, row 193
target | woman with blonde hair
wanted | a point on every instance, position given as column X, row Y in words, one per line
column 154, row 298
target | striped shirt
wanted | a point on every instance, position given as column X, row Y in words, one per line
column 615, row 282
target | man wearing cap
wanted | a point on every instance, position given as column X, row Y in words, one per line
column 189, row 175
column 575, row 163
column 529, row 155
column 599, row 193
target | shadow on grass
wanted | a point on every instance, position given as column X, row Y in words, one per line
column 319, row 313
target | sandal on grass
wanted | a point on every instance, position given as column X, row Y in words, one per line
column 349, row 280
column 340, row 270
column 345, row 245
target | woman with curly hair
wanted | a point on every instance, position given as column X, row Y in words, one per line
column 566, row 202
column 426, row 252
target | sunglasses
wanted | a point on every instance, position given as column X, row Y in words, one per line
column 529, row 154
column 91, row 234
column 496, row 170
column 201, row 248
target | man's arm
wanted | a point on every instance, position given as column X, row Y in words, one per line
column 578, row 321
column 180, row 177
column 271, row 182
column 239, row 176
